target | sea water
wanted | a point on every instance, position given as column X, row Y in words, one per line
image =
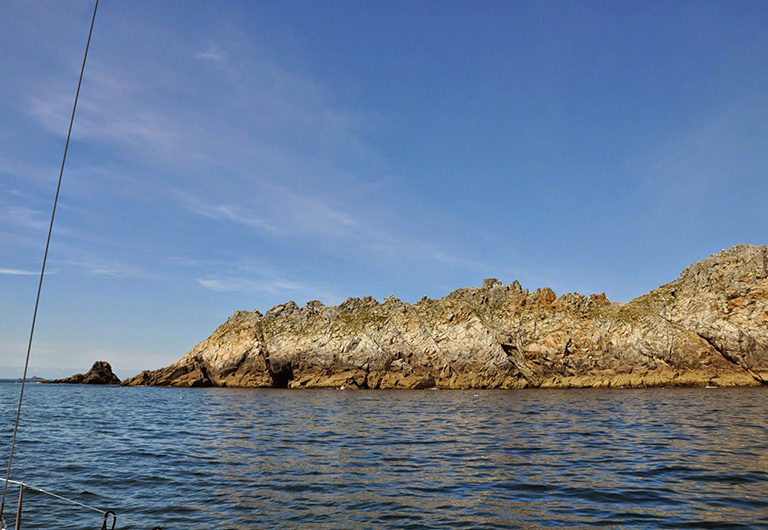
column 228, row 458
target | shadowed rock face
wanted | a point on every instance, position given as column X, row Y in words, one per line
column 708, row 327
column 99, row 374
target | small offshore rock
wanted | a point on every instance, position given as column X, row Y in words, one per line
column 100, row 374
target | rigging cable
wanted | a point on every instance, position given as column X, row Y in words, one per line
column 45, row 259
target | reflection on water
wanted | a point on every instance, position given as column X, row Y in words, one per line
column 423, row 459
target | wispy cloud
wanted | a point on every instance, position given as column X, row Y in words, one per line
column 113, row 111
column 98, row 266
column 221, row 212
column 18, row 272
column 277, row 289
column 688, row 168
column 211, row 52
column 24, row 217
column 281, row 210
column 255, row 278
column 249, row 285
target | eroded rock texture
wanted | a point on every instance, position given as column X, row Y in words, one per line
column 708, row 327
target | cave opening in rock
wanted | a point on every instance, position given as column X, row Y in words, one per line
column 281, row 376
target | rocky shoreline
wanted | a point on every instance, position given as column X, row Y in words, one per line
column 709, row 327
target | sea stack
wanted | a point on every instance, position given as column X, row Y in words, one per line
column 709, row 327
column 99, row 374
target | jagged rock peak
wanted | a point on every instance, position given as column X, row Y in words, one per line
column 240, row 315
column 356, row 304
column 739, row 263
column 391, row 300
column 314, row 306
column 283, row 310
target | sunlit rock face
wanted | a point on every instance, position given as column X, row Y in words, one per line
column 708, row 327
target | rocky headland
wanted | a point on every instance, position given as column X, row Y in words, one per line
column 99, row 374
column 707, row 327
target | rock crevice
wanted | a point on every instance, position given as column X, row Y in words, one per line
column 731, row 359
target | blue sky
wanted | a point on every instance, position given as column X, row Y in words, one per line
column 235, row 155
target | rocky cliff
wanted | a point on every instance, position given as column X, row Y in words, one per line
column 99, row 374
column 708, row 327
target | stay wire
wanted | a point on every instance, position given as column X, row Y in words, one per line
column 37, row 489
column 55, row 495
column 45, row 259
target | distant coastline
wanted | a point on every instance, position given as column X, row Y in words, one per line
column 33, row 379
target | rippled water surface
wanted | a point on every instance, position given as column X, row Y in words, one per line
column 224, row 458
